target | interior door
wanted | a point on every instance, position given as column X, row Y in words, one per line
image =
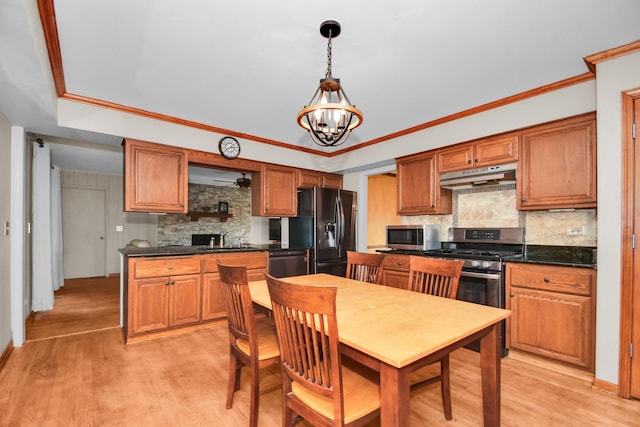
column 635, row 324
column 83, row 232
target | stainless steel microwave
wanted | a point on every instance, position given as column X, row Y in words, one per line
column 421, row 237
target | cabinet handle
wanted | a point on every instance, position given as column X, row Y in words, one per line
column 511, row 294
column 469, row 161
column 546, row 280
column 170, row 267
column 167, row 283
column 433, row 206
column 172, row 283
column 523, row 200
column 477, row 160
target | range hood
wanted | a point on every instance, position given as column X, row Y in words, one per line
column 490, row 175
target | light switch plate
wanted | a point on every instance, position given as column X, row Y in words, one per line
column 119, row 228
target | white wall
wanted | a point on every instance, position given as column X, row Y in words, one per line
column 5, row 215
column 614, row 77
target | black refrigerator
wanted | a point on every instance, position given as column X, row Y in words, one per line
column 326, row 223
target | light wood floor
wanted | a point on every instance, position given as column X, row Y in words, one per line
column 81, row 305
column 93, row 379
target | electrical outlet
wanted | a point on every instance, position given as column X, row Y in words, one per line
column 575, row 231
column 119, row 228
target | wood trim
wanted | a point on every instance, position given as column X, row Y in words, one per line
column 596, row 58
column 626, row 268
column 476, row 110
column 47, row 17
column 113, row 275
column 183, row 122
column 50, row 29
column 5, row 354
column 605, row 386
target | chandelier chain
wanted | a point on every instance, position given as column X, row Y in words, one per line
column 328, row 72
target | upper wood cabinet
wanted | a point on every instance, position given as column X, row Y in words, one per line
column 557, row 167
column 419, row 189
column 274, row 191
column 308, row 178
column 155, row 177
column 481, row 153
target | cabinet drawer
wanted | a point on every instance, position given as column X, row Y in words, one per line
column 578, row 281
column 253, row 260
column 165, row 266
column 396, row 262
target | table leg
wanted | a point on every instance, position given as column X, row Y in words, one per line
column 394, row 396
column 490, row 371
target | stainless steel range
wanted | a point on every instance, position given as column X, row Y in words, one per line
column 483, row 251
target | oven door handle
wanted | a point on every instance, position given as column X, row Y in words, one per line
column 480, row 275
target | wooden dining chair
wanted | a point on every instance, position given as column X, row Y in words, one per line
column 437, row 277
column 253, row 340
column 366, row 267
column 317, row 384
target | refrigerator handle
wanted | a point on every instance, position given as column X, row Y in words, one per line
column 340, row 231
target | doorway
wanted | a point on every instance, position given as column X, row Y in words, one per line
column 629, row 369
column 381, row 209
column 83, row 232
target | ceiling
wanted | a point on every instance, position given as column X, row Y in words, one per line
column 247, row 67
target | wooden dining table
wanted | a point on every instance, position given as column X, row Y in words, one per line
column 396, row 331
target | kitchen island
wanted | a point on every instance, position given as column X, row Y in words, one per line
column 173, row 289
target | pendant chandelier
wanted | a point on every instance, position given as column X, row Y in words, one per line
column 329, row 117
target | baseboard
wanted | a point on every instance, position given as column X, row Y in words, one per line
column 113, row 275
column 5, row 354
column 605, row 386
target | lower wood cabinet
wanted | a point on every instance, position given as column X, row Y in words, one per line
column 552, row 312
column 395, row 271
column 212, row 300
column 165, row 294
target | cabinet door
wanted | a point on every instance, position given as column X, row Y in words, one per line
column 395, row 279
column 457, row 158
column 155, row 178
column 184, row 303
column 213, row 306
column 495, row 151
column 332, row 180
column 552, row 324
column 276, row 194
column 307, row 178
column 419, row 189
column 149, row 305
column 557, row 167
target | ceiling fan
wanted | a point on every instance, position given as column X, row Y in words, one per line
column 243, row 182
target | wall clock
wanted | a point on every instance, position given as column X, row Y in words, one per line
column 229, row 147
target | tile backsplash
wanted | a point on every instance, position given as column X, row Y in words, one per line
column 495, row 206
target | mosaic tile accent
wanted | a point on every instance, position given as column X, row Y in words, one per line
column 176, row 229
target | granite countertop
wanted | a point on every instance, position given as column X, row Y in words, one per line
column 198, row 249
column 569, row 256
